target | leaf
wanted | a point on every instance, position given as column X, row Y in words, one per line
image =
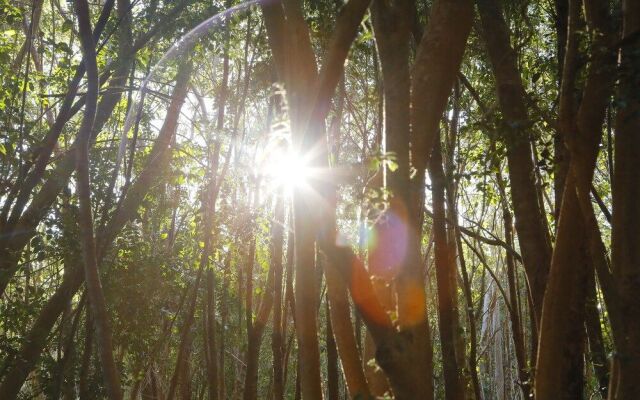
column 67, row 25
column 164, row 235
column 392, row 165
column 374, row 164
column 62, row 46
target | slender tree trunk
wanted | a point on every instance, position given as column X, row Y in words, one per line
column 333, row 381
column 277, row 344
column 457, row 255
column 257, row 328
column 376, row 378
column 530, row 216
column 560, row 157
column 209, row 208
column 517, row 334
column 342, row 331
column 85, row 365
column 212, row 356
column 184, row 349
column 524, row 375
column 559, row 373
column 626, row 208
column 454, row 386
column 473, row 342
column 184, row 374
column 85, row 219
column 597, row 352
column 64, row 381
column 431, row 82
column 224, row 315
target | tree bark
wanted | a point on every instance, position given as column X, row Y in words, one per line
column 454, row 386
column 209, row 210
column 85, row 217
column 597, row 352
column 333, row 380
column 85, row 365
column 277, row 343
column 257, row 328
column 211, row 346
column 431, row 82
column 626, row 207
column 560, row 356
column 524, row 374
column 184, row 349
column 530, row 219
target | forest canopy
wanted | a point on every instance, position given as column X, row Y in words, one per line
column 328, row 199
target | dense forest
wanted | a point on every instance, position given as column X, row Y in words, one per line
column 322, row 199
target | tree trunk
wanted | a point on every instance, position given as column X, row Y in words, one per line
column 342, row 330
column 184, row 349
column 85, row 217
column 333, row 380
column 212, row 356
column 626, row 208
column 597, row 352
column 524, row 375
column 559, row 371
column 529, row 213
column 208, row 214
column 517, row 334
column 224, row 315
column 277, row 344
column 85, row 365
column 454, row 386
column 457, row 255
column 257, row 328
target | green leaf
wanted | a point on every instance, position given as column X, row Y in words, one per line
column 62, row 46
column 374, row 164
column 67, row 25
column 392, row 165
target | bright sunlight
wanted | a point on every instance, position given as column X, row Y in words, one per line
column 285, row 169
column 289, row 170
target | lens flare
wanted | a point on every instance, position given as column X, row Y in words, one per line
column 388, row 242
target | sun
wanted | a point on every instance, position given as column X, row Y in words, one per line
column 285, row 169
